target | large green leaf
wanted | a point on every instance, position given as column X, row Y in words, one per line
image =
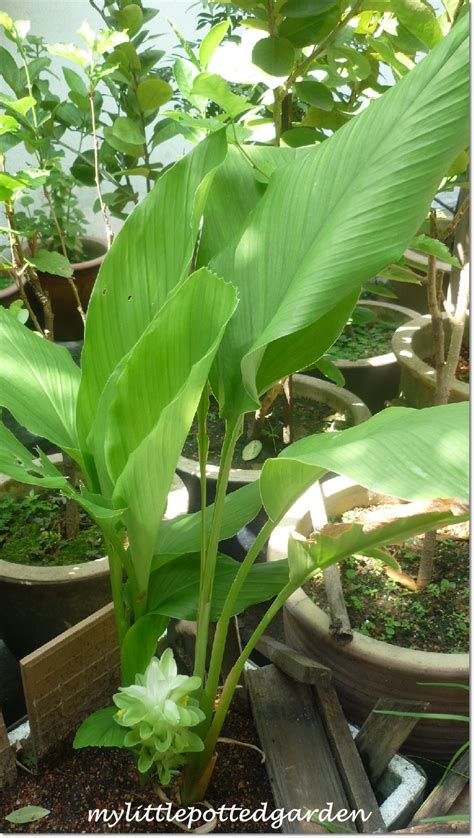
column 174, row 588
column 345, row 540
column 19, row 464
column 183, row 534
column 149, row 257
column 39, row 382
column 154, row 402
column 244, row 175
column 337, row 216
column 410, row 454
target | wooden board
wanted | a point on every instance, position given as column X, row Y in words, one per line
column 292, row 663
column 381, row 736
column 443, row 798
column 351, row 770
column 300, row 764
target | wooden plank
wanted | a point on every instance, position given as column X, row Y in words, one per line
column 300, row 764
column 340, row 626
column 454, row 827
column 381, row 736
column 292, row 663
column 442, row 798
column 352, row 772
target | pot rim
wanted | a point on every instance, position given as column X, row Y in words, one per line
column 375, row 360
column 304, row 610
column 90, row 263
column 402, row 344
column 11, row 289
column 96, row 568
column 359, row 410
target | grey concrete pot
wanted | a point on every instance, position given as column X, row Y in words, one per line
column 411, row 343
column 376, row 380
column 365, row 669
column 38, row 603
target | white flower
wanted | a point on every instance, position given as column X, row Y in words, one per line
column 159, row 711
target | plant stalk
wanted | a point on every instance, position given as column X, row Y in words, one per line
column 205, row 595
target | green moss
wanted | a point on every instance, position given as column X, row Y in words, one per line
column 33, row 532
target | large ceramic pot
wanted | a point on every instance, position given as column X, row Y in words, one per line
column 376, row 379
column 38, row 603
column 68, row 325
column 365, row 669
column 412, row 343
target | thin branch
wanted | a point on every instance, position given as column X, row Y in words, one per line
column 105, row 215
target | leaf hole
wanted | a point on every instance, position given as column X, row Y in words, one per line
column 129, row 297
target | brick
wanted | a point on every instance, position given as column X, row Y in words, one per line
column 8, row 770
column 70, row 677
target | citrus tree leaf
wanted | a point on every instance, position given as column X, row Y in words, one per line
column 420, row 19
column 214, row 87
column 153, row 93
column 51, row 263
column 433, row 247
column 323, row 227
column 211, row 41
column 274, row 56
column 315, row 93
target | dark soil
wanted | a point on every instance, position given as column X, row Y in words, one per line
column 463, row 367
column 72, row 782
column 33, row 532
column 309, row 417
column 364, row 340
column 435, row 619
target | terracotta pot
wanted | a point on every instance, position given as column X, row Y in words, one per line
column 38, row 603
column 365, row 669
column 67, row 322
column 411, row 343
column 376, row 380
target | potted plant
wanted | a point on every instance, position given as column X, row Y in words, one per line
column 47, row 252
column 144, row 373
column 53, row 569
column 367, row 667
